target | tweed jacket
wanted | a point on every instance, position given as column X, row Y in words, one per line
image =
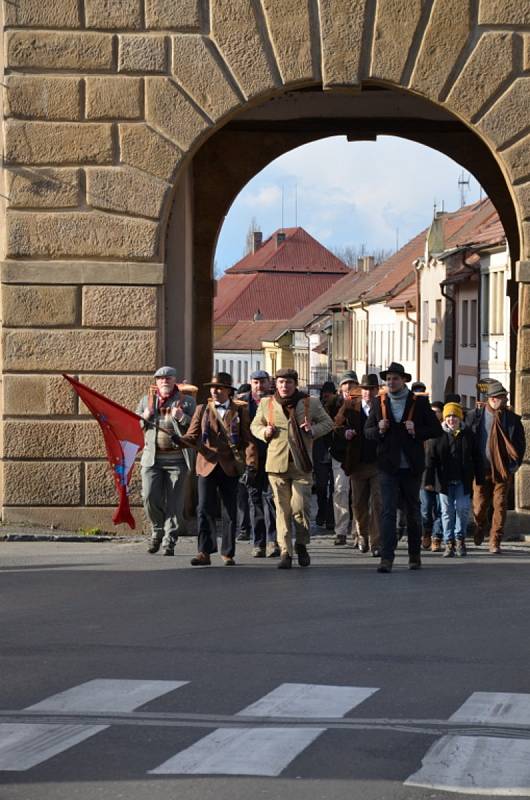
column 187, row 404
column 397, row 440
column 216, row 450
column 278, row 450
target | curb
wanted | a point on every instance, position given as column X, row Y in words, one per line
column 60, row 537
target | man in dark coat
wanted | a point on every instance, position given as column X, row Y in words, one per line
column 262, row 511
column 400, row 422
column 502, row 444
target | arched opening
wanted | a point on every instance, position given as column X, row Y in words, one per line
column 258, row 135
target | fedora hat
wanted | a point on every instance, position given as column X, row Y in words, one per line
column 398, row 369
column 222, row 379
column 495, row 389
column 369, row 381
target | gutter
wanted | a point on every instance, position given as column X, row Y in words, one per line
column 443, row 290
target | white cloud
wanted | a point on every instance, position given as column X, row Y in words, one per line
column 347, row 193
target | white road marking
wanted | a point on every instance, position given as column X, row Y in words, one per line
column 23, row 746
column 500, row 707
column 307, row 700
column 486, row 765
column 241, row 751
column 265, row 750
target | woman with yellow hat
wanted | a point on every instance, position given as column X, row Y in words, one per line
column 453, row 461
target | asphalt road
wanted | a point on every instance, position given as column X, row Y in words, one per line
column 160, row 667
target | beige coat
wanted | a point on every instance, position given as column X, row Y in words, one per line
column 278, row 449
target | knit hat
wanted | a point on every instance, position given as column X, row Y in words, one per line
column 453, row 408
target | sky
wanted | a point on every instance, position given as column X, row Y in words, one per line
column 344, row 193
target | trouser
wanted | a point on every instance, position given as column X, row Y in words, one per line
column 407, row 485
column 367, row 505
column 485, row 495
column 430, row 513
column 341, row 499
column 243, row 510
column 324, row 491
column 455, row 507
column 163, row 499
column 262, row 512
column 292, row 498
column 206, row 511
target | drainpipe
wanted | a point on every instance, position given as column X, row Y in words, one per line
column 414, row 322
column 417, row 266
column 367, row 350
column 453, row 349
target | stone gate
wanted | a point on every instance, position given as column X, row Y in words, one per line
column 128, row 128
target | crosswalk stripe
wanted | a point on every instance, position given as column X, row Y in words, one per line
column 265, row 750
column 486, row 765
column 502, row 707
column 23, row 745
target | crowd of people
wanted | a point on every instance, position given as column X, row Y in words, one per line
column 382, row 458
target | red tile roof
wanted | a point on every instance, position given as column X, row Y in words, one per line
column 249, row 334
column 299, row 252
column 275, row 296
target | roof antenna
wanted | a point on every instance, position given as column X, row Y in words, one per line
column 463, row 182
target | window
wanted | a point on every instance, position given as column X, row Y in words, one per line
column 425, row 321
column 231, row 370
column 245, row 380
column 464, row 324
column 239, row 371
column 258, row 365
column 472, row 401
column 464, row 400
column 217, row 365
column 224, row 364
column 439, row 322
column 401, row 351
column 473, row 324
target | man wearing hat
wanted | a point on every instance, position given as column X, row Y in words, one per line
column 164, row 465
column 360, row 464
column 502, row 444
column 262, row 511
column 220, row 432
column 348, row 383
column 400, row 422
column 289, row 421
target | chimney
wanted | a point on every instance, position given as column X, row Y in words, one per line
column 257, row 315
column 368, row 263
column 360, row 264
column 280, row 237
column 257, row 240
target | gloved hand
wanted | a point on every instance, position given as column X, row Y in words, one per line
column 249, row 477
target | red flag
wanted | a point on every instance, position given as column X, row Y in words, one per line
column 123, row 440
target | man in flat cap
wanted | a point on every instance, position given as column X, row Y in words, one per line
column 164, row 465
column 502, row 446
column 400, row 422
column 220, row 431
column 289, row 421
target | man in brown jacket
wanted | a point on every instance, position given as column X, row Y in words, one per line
column 220, row 431
column 289, row 421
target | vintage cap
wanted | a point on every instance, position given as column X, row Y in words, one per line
column 496, row 389
column 166, row 372
column 418, row 386
column 259, row 374
column 223, row 379
column 398, row 369
column 370, row 381
column 287, row 372
column 349, row 375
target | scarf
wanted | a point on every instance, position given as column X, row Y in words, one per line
column 502, row 452
column 294, row 434
column 454, row 432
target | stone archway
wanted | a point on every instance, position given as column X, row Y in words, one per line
column 111, row 110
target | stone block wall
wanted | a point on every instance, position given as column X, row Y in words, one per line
column 105, row 104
